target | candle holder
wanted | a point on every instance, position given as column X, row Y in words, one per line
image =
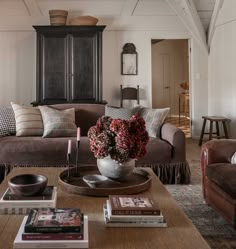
column 68, row 179
column 77, row 173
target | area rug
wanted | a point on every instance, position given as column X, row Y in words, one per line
column 213, row 227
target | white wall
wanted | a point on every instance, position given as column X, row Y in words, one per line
column 222, row 66
column 198, row 87
column 17, row 67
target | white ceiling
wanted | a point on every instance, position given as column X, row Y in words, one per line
column 147, row 10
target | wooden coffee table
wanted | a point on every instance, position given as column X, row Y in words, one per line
column 180, row 233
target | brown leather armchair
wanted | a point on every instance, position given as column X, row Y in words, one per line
column 219, row 177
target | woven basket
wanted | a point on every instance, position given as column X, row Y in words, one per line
column 83, row 20
column 58, row 17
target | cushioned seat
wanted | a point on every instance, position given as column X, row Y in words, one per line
column 38, row 151
column 154, row 146
column 224, row 175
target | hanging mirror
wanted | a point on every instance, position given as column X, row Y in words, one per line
column 129, row 60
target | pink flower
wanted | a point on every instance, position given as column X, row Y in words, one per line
column 120, row 139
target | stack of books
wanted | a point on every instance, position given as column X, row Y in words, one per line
column 53, row 228
column 132, row 211
column 15, row 204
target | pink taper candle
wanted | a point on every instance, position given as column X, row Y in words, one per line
column 69, row 147
column 78, row 134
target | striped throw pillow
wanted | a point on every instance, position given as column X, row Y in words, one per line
column 58, row 123
column 154, row 118
column 28, row 120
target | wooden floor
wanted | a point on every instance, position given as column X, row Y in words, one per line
column 183, row 124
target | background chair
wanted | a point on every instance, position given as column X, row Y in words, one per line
column 129, row 93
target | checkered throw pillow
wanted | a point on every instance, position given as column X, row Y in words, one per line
column 7, row 121
column 122, row 113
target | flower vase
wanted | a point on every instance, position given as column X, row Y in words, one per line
column 114, row 169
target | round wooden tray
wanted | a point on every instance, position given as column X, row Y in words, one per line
column 137, row 182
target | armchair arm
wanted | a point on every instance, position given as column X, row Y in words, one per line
column 216, row 151
column 176, row 137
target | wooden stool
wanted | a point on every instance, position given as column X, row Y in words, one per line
column 213, row 119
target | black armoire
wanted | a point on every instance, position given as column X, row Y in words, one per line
column 69, row 64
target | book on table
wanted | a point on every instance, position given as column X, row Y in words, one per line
column 54, row 220
column 133, row 205
column 19, row 243
column 129, row 218
column 15, row 204
column 126, row 222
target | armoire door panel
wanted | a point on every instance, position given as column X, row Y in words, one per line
column 69, row 64
column 54, row 64
column 83, row 65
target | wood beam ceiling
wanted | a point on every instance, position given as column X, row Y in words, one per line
column 187, row 13
column 211, row 30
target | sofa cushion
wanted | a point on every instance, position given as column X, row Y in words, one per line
column 122, row 113
column 28, row 120
column 38, row 151
column 154, row 118
column 223, row 175
column 58, row 123
column 7, row 121
column 158, row 151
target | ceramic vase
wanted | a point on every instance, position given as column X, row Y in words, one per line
column 115, row 170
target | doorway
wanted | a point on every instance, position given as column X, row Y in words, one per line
column 170, row 80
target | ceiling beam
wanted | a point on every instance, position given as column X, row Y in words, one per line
column 129, row 7
column 186, row 11
column 32, row 7
column 212, row 26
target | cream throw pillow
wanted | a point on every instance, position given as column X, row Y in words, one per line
column 58, row 123
column 28, row 120
column 233, row 158
column 154, row 118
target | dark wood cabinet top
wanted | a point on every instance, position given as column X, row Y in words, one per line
column 69, row 28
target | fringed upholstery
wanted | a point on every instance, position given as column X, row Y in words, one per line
column 171, row 173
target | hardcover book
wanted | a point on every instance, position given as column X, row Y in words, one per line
column 13, row 204
column 54, row 220
column 45, row 195
column 131, row 223
column 128, row 218
column 52, row 236
column 133, row 205
column 77, row 243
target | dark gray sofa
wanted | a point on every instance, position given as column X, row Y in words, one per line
column 165, row 155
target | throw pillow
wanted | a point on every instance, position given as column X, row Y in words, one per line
column 233, row 158
column 28, row 120
column 122, row 113
column 154, row 118
column 58, row 123
column 7, row 121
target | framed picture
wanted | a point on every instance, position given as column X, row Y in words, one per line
column 129, row 60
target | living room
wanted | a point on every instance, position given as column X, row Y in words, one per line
column 207, row 25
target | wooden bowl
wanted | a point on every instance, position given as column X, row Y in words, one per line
column 83, row 20
column 27, row 184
